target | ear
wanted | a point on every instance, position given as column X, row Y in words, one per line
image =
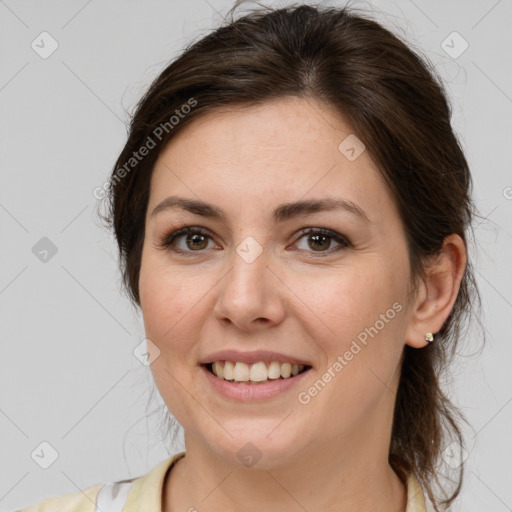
column 437, row 292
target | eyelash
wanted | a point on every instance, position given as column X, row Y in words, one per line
column 165, row 241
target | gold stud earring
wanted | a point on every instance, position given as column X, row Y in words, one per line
column 429, row 336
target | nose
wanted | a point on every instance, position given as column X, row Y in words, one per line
column 250, row 296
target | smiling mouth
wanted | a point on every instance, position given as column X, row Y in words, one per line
column 256, row 373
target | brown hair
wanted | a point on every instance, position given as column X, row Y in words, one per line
column 396, row 105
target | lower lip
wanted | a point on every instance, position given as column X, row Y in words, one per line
column 249, row 392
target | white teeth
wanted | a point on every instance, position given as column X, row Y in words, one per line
column 256, row 372
column 228, row 370
column 241, row 372
column 274, row 370
column 218, row 369
column 286, row 370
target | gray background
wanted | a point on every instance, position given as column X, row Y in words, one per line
column 68, row 375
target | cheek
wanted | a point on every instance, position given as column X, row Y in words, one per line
column 348, row 299
column 166, row 306
column 174, row 307
column 359, row 316
column 163, row 301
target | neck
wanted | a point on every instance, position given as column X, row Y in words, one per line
column 348, row 479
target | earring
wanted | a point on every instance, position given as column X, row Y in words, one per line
column 429, row 336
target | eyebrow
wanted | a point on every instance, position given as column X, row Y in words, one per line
column 281, row 213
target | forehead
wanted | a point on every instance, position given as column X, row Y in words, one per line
column 287, row 149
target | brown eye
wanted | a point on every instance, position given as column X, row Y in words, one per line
column 196, row 241
column 186, row 240
column 322, row 240
column 319, row 242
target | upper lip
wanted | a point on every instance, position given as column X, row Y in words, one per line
column 252, row 357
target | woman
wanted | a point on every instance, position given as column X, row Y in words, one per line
column 291, row 209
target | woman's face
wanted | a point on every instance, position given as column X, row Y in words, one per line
column 334, row 298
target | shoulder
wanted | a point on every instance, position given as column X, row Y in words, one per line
column 146, row 489
column 82, row 501
column 417, row 501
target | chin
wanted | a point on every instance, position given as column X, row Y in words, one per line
column 253, row 448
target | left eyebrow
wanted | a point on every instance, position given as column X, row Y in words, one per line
column 289, row 210
column 283, row 212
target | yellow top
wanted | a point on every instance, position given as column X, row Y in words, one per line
column 146, row 494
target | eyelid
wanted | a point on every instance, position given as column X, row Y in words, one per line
column 342, row 240
column 165, row 240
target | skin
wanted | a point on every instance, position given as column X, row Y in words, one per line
column 316, row 456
